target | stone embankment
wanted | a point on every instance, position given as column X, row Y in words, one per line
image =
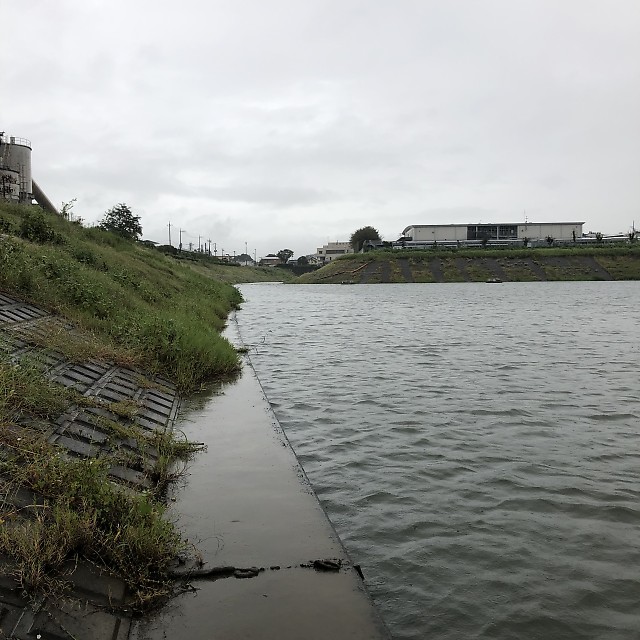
column 94, row 603
column 533, row 266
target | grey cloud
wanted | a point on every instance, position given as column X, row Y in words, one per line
column 265, row 194
column 305, row 120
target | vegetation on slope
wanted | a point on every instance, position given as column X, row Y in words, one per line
column 154, row 311
column 236, row 274
column 131, row 305
column 72, row 508
column 617, row 262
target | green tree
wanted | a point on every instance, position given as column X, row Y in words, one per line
column 284, row 255
column 303, row 260
column 360, row 236
column 243, row 258
column 121, row 221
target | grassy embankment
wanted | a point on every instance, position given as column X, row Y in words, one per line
column 72, row 509
column 608, row 262
column 236, row 274
column 130, row 305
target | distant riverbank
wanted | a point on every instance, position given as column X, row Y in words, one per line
column 520, row 265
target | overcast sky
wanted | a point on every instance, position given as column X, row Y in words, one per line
column 289, row 123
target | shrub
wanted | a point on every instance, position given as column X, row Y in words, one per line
column 5, row 225
column 36, row 228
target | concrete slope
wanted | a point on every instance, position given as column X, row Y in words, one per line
column 248, row 504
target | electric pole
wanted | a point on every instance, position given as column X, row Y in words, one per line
column 169, row 234
column 181, row 232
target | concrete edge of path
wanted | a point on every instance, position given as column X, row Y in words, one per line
column 250, row 506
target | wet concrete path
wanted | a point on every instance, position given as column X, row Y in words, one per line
column 247, row 503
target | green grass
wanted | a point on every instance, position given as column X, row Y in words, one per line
column 558, row 263
column 159, row 313
column 620, row 266
column 504, row 252
column 128, row 304
column 477, row 270
column 78, row 511
column 338, row 270
column 25, row 392
column 420, row 270
column 240, row 274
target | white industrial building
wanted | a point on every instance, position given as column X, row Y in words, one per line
column 501, row 232
column 332, row 250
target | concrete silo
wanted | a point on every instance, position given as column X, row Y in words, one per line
column 15, row 169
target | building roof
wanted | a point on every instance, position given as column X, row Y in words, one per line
column 484, row 224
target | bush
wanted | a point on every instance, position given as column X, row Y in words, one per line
column 5, row 225
column 36, row 228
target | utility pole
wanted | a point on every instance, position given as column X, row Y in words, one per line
column 181, row 232
column 191, row 246
column 255, row 257
column 209, row 253
column 199, row 247
column 169, row 234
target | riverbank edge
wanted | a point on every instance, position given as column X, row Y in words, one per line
column 362, row 593
column 256, row 497
column 522, row 265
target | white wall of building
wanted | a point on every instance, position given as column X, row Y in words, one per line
column 438, row 232
column 333, row 250
column 530, row 230
column 558, row 231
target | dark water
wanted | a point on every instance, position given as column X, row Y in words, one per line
column 477, row 446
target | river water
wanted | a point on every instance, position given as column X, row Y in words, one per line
column 477, row 446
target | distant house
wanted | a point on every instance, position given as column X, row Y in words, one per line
column 269, row 261
column 333, row 250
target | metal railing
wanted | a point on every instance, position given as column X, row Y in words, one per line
column 15, row 140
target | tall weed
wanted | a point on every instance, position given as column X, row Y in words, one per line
column 166, row 314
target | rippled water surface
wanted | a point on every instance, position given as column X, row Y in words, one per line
column 477, row 446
